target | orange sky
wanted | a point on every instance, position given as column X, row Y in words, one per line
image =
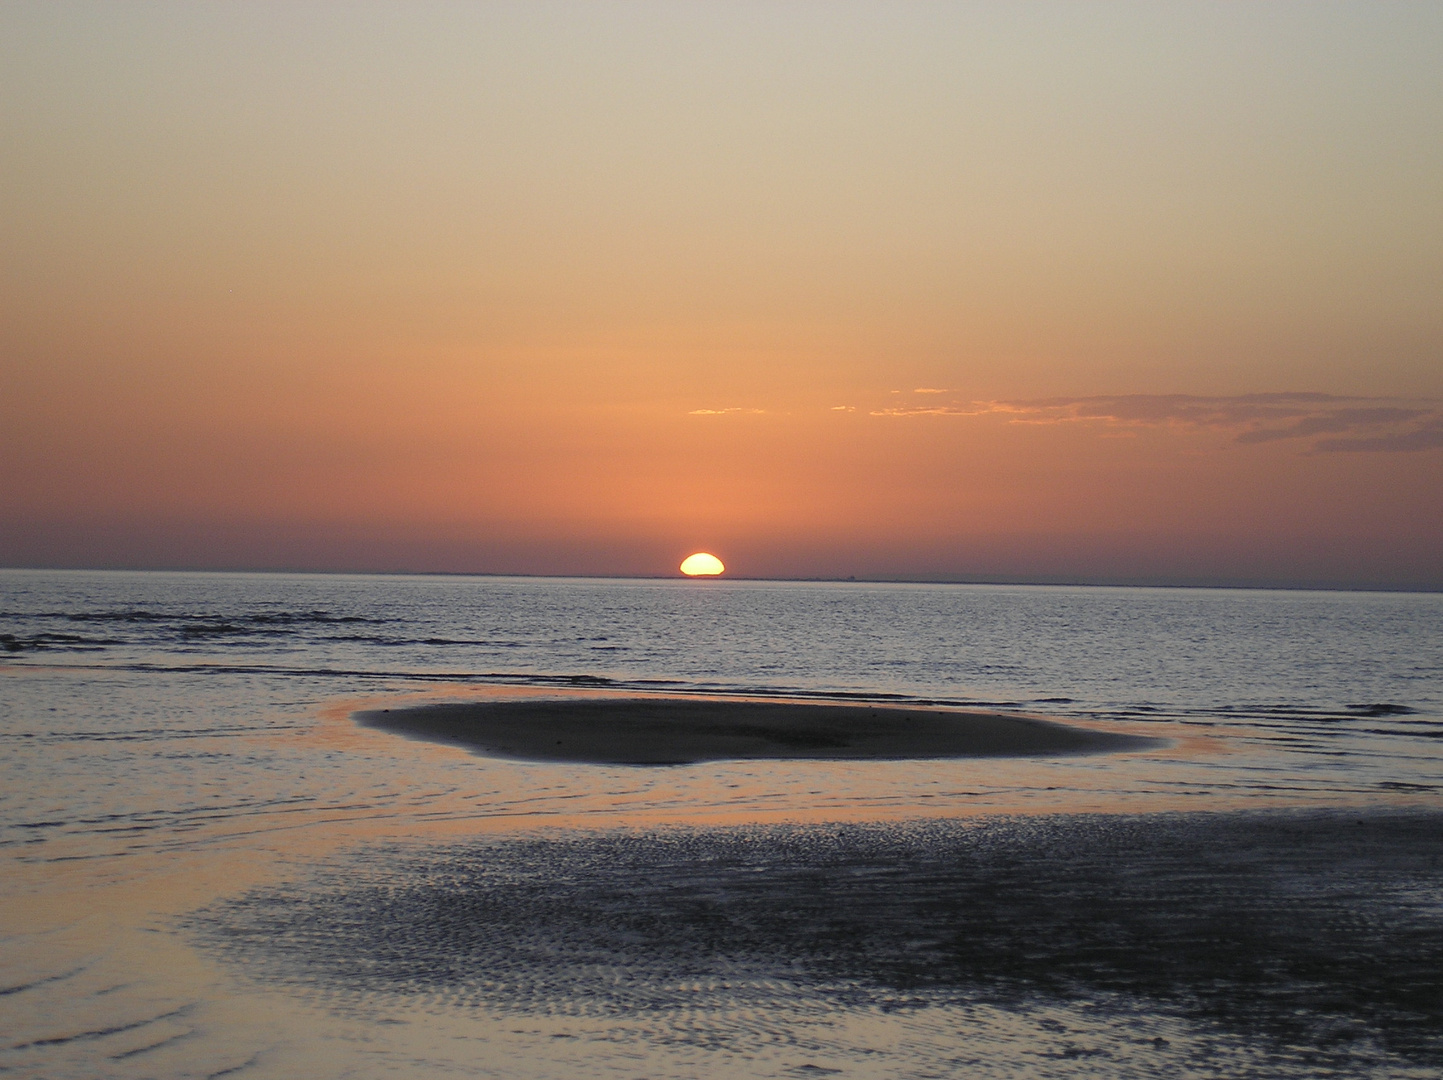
column 1038, row 292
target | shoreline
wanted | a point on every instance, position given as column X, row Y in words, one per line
column 672, row 731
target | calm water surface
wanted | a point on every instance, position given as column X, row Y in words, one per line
column 209, row 867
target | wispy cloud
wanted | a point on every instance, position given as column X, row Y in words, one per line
column 1332, row 423
column 1354, row 424
column 1428, row 436
column 976, row 408
column 1184, row 409
column 725, row 412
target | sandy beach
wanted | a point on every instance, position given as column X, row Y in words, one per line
column 673, row 731
column 1284, row 945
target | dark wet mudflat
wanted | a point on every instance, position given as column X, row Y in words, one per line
column 1315, row 937
column 676, row 731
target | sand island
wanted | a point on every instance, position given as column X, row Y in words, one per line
column 680, row 731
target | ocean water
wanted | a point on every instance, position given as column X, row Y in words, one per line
column 210, row 869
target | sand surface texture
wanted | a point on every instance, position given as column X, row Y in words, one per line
column 666, row 731
column 1178, row 945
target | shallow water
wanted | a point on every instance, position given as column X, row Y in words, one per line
column 209, row 866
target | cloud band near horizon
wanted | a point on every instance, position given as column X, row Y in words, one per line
column 1355, row 424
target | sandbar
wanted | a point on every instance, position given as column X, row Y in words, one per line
column 682, row 731
column 1295, row 944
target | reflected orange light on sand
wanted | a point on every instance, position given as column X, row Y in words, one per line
column 702, row 565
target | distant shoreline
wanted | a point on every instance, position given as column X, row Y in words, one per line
column 671, row 731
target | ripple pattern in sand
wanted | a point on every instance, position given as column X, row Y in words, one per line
column 1203, row 944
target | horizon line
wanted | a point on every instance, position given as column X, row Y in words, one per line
column 1037, row 582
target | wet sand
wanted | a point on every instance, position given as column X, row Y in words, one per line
column 1287, row 945
column 671, row 731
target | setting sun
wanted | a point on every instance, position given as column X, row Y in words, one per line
column 702, row 565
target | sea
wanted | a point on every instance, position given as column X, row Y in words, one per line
column 208, row 868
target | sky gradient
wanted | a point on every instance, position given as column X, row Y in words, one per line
column 1055, row 292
